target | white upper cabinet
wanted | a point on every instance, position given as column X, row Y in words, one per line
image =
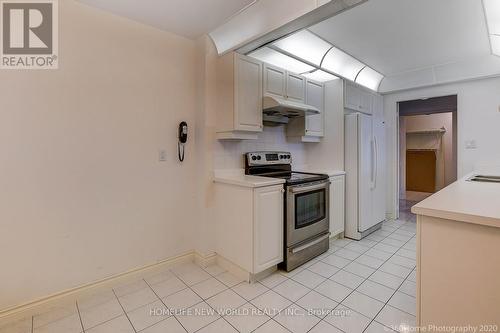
column 295, row 87
column 280, row 83
column 310, row 128
column 248, row 94
column 239, row 97
column 274, row 81
column 315, row 96
column 358, row 99
column 352, row 97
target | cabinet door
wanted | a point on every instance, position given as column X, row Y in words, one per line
column 366, row 102
column 337, row 204
column 315, row 96
column 352, row 97
column 268, row 227
column 295, row 87
column 274, row 81
column 248, row 94
column 378, row 108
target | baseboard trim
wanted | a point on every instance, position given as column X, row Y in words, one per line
column 72, row 294
column 233, row 268
column 337, row 236
column 205, row 260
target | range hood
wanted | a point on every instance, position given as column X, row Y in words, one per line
column 280, row 107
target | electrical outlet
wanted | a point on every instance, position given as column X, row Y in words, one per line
column 162, row 155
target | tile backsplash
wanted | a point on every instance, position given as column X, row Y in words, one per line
column 229, row 154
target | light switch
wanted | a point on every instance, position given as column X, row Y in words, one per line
column 470, row 144
column 162, row 155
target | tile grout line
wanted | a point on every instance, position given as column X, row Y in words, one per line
column 355, row 289
column 126, row 315
column 79, row 315
column 313, row 289
column 204, row 301
column 386, row 303
column 161, row 300
column 403, row 227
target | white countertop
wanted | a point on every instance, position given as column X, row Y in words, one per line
column 238, row 177
column 465, row 201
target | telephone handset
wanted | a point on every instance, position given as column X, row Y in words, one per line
column 183, row 136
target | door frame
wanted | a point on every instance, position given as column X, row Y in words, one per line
column 396, row 148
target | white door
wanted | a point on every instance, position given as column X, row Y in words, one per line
column 268, row 227
column 337, row 204
column 295, row 87
column 379, row 186
column 248, row 94
column 365, row 176
column 274, row 81
column 315, row 96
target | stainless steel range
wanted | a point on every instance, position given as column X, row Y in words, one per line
column 306, row 206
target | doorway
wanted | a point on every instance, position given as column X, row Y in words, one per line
column 427, row 149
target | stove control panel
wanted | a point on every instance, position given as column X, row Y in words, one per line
column 268, row 158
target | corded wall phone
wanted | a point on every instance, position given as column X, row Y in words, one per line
column 183, row 136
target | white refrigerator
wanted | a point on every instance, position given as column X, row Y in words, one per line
column 365, row 179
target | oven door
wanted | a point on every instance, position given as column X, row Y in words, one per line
column 307, row 211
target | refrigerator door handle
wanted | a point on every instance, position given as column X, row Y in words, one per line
column 376, row 162
column 372, row 164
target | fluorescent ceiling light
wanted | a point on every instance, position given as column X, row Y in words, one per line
column 492, row 9
column 369, row 78
column 277, row 59
column 304, row 45
column 495, row 44
column 341, row 63
column 321, row 76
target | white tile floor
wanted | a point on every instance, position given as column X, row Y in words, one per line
column 365, row 286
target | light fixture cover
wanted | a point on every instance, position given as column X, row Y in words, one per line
column 304, row 45
column 495, row 44
column 281, row 60
column 321, row 76
column 341, row 63
column 492, row 9
column 369, row 78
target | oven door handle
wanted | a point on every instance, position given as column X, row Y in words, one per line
column 314, row 242
column 301, row 189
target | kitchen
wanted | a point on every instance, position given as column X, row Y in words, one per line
column 258, row 169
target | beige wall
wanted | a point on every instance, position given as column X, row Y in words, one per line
column 478, row 117
column 83, row 195
column 446, row 171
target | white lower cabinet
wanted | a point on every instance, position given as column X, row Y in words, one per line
column 249, row 225
column 268, row 227
column 337, row 204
